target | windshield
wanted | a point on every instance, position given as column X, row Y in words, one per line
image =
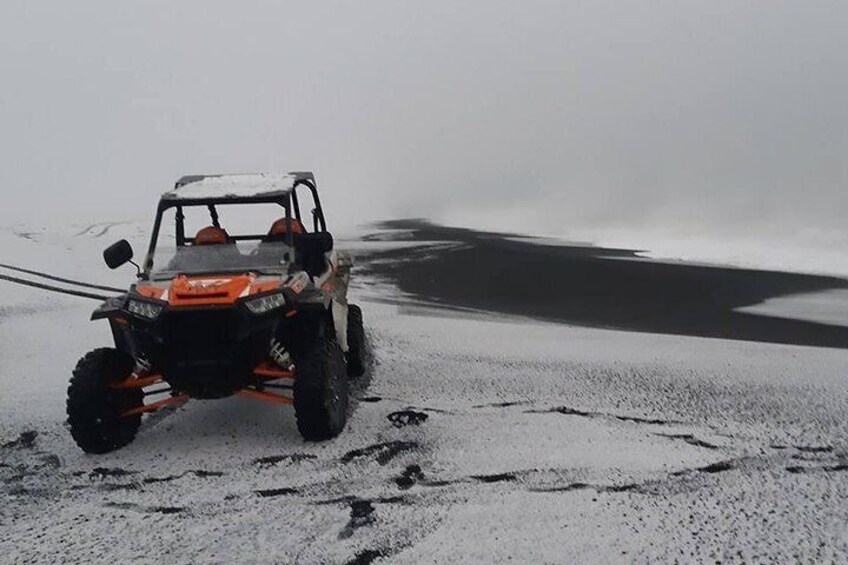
column 222, row 238
column 267, row 257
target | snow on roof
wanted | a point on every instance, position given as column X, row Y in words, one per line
column 238, row 185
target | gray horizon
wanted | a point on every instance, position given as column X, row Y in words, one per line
column 694, row 117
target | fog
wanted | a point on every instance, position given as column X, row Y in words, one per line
column 551, row 117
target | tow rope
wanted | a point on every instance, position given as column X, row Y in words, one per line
column 61, row 279
column 52, row 288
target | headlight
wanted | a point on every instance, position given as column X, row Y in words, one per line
column 144, row 309
column 266, row 303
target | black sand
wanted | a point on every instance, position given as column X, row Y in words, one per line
column 593, row 287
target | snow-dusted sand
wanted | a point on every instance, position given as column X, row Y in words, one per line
column 543, row 442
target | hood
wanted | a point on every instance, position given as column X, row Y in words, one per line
column 206, row 290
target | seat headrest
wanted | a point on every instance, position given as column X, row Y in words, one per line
column 280, row 227
column 210, row 235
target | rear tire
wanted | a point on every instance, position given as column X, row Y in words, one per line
column 94, row 409
column 320, row 389
column 355, row 342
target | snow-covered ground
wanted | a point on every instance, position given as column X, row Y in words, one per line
column 476, row 438
column 827, row 307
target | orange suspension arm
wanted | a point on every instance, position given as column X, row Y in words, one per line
column 266, row 396
column 270, row 370
column 134, row 381
column 156, row 405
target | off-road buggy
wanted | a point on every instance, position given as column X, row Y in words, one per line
column 262, row 315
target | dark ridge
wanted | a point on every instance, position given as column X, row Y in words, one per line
column 568, row 411
column 366, row 557
column 639, row 420
column 110, row 472
column 361, row 508
column 717, row 467
column 496, row 478
column 428, row 409
column 26, row 440
column 361, row 512
column 621, row 488
column 565, row 488
column 293, row 457
column 200, row 473
column 827, row 468
column 691, row 440
column 205, row 474
column 167, row 509
column 502, row 404
column 383, row 452
column 391, row 500
column 21, row 474
column 814, row 448
column 137, row 508
column 23, row 491
column 440, row 483
column 119, row 487
column 268, row 493
column 51, row 460
column 166, row 479
column 371, row 399
column 349, row 499
column 590, row 286
column 806, row 456
column 411, row 475
column 123, row 506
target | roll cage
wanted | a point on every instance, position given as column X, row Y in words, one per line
column 287, row 199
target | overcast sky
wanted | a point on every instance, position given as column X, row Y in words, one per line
column 701, row 116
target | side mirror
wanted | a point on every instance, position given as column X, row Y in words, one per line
column 118, row 254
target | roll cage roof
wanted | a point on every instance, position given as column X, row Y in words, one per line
column 245, row 187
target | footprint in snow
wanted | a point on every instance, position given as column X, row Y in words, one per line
column 404, row 418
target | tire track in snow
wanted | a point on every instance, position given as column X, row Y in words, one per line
column 105, row 227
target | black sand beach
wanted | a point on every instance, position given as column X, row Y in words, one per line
column 596, row 287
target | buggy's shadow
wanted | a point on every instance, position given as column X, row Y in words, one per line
column 359, row 385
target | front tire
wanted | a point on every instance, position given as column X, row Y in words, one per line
column 94, row 409
column 320, row 389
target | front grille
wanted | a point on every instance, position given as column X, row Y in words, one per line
column 211, row 353
column 201, row 353
column 206, row 335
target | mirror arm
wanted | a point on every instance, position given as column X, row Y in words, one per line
column 137, row 269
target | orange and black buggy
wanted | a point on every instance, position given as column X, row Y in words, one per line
column 259, row 312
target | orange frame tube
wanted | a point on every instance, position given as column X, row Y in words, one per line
column 272, row 371
column 133, row 381
column 266, row 396
column 156, row 405
column 265, row 370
